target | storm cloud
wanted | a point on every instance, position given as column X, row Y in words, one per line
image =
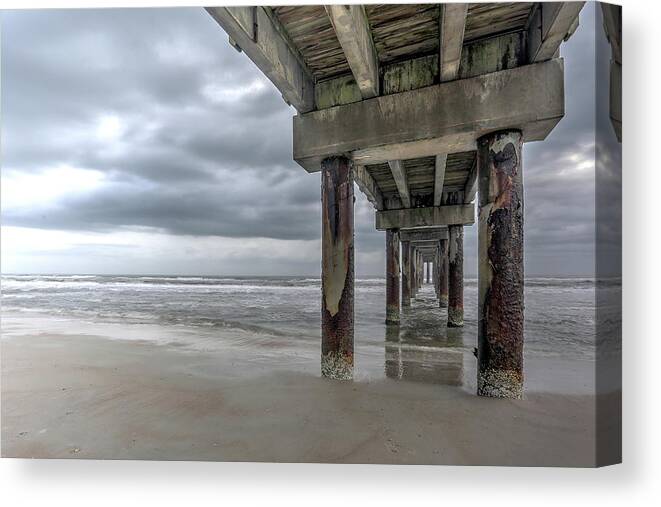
column 146, row 121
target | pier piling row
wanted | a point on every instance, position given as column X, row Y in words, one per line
column 415, row 103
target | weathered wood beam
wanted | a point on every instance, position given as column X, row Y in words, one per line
column 444, row 118
column 368, row 186
column 549, row 25
column 353, row 33
column 256, row 33
column 452, row 23
column 399, row 175
column 461, row 214
column 471, row 184
column 439, row 176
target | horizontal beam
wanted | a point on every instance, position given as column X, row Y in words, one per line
column 444, row 118
column 549, row 25
column 353, row 33
column 423, row 234
column 258, row 35
column 461, row 214
column 368, row 186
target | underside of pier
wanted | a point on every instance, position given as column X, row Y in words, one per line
column 419, row 105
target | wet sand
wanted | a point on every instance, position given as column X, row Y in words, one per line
column 85, row 396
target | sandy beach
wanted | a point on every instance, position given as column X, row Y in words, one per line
column 83, row 396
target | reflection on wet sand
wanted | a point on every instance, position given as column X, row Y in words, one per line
column 422, row 348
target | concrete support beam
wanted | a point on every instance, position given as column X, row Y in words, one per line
column 612, row 17
column 500, row 271
column 399, row 175
column 444, row 118
column 337, row 268
column 428, row 272
column 460, row 214
column 439, row 176
column 549, row 25
column 443, row 269
column 419, row 235
column 261, row 38
column 456, row 276
column 470, row 189
column 392, row 276
column 368, row 186
column 452, row 23
column 353, row 33
column 406, row 273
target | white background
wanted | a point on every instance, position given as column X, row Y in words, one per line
column 636, row 482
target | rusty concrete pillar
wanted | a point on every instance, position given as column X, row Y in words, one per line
column 337, row 268
column 443, row 273
column 456, row 276
column 392, row 276
column 406, row 273
column 500, row 272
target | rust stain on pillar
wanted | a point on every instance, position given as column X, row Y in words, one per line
column 392, row 276
column 500, row 293
column 456, row 276
column 406, row 273
column 337, row 268
column 443, row 273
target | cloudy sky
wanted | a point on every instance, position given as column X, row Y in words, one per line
column 139, row 141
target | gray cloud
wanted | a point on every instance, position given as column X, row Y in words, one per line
column 203, row 143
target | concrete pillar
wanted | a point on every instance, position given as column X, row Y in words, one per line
column 392, row 276
column 443, row 273
column 456, row 276
column 500, row 271
column 337, row 268
column 414, row 273
column 429, row 272
column 406, row 273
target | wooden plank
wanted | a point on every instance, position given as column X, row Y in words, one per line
column 452, row 24
column 549, row 25
column 368, row 186
column 439, row 176
column 399, row 175
column 353, row 33
column 269, row 51
column 458, row 214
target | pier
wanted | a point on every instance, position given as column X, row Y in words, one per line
column 425, row 107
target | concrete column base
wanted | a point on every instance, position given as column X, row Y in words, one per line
column 500, row 384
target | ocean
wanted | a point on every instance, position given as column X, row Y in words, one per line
column 276, row 320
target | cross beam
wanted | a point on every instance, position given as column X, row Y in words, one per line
column 461, row 214
column 423, row 234
column 444, row 118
